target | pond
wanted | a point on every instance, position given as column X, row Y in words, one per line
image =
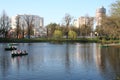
column 65, row 61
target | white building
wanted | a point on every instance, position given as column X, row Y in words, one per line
column 38, row 22
column 83, row 21
column 76, row 23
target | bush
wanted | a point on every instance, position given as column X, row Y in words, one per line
column 57, row 34
column 72, row 34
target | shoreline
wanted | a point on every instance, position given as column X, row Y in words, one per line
column 36, row 40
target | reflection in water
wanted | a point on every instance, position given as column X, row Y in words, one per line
column 106, row 59
column 114, row 58
column 47, row 61
column 67, row 59
column 4, row 62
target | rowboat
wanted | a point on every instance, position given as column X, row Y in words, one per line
column 10, row 48
column 20, row 54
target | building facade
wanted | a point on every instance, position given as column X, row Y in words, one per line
column 83, row 20
column 76, row 23
column 38, row 22
column 92, row 21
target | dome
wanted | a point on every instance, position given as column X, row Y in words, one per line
column 101, row 10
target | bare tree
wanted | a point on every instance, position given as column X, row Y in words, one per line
column 17, row 26
column 4, row 24
column 67, row 20
column 115, row 8
column 29, row 21
column 110, row 27
column 51, row 28
column 23, row 29
column 86, row 26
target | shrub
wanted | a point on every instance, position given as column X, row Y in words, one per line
column 72, row 34
column 57, row 34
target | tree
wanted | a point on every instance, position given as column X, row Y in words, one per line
column 67, row 19
column 18, row 27
column 86, row 26
column 51, row 28
column 113, row 21
column 111, row 26
column 72, row 34
column 63, row 29
column 58, row 34
column 115, row 8
column 23, row 29
column 75, row 29
column 4, row 24
column 29, row 19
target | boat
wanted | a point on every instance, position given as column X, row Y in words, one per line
column 20, row 54
column 10, row 48
column 11, row 44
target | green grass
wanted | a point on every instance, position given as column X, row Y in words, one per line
column 82, row 40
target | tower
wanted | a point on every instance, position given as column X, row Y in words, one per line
column 100, row 14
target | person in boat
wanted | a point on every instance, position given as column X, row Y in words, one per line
column 18, row 51
column 14, row 52
column 13, row 47
column 10, row 47
column 24, row 52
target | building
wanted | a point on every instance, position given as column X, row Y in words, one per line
column 76, row 23
column 38, row 22
column 100, row 14
column 83, row 21
column 86, row 20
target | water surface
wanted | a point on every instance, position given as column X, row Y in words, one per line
column 47, row 61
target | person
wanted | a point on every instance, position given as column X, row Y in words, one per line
column 12, row 52
column 24, row 51
column 18, row 51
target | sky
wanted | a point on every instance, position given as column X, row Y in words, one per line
column 54, row 10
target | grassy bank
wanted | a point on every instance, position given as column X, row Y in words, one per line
column 82, row 40
column 46, row 40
